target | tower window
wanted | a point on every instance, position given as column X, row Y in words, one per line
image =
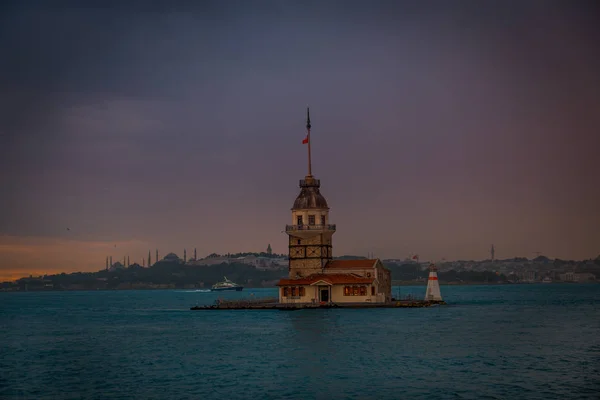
column 311, row 219
column 322, row 220
column 299, row 219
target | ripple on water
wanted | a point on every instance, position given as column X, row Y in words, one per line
column 496, row 342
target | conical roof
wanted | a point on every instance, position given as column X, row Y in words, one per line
column 310, row 195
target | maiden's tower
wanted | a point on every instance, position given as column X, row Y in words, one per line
column 314, row 276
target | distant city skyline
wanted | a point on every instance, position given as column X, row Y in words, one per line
column 60, row 247
column 437, row 128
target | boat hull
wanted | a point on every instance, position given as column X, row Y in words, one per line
column 237, row 289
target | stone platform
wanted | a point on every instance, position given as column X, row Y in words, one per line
column 270, row 304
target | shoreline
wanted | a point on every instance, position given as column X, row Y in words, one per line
column 206, row 290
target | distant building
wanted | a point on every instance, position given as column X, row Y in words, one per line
column 212, row 261
column 262, row 263
column 580, row 277
column 530, row 276
column 171, row 257
column 116, row 266
column 313, row 274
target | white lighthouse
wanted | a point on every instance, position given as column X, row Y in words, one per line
column 433, row 285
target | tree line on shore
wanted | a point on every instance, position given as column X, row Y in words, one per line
column 179, row 275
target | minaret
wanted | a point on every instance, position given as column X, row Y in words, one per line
column 184, row 256
column 269, row 250
column 124, row 261
column 127, row 261
column 493, row 252
column 149, row 259
column 111, row 264
column 310, row 234
column 156, row 256
column 433, row 286
column 195, row 257
column 107, row 263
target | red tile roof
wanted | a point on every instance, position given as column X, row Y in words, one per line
column 351, row 264
column 330, row 279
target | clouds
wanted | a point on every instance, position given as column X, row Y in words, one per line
column 112, row 118
column 127, row 118
column 23, row 255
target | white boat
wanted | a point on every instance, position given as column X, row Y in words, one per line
column 226, row 285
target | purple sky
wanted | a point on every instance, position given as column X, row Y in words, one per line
column 439, row 128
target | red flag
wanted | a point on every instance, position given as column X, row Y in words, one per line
column 415, row 257
column 305, row 141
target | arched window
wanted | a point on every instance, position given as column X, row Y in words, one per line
column 347, row 291
column 285, row 292
column 293, row 291
column 355, row 290
column 301, row 291
column 372, row 290
column 363, row 290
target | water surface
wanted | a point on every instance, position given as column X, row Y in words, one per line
column 503, row 342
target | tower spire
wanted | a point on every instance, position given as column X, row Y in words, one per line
column 308, row 138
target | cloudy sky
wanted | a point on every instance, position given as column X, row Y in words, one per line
column 439, row 127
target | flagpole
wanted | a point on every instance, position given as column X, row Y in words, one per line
column 308, row 136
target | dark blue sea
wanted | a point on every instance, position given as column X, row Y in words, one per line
column 538, row 341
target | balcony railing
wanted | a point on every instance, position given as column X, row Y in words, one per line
column 310, row 182
column 289, row 228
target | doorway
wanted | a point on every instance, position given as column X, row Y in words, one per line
column 324, row 294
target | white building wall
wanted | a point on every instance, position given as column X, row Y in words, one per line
column 306, row 212
column 310, row 293
column 433, row 287
column 337, row 295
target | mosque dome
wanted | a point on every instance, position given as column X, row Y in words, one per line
column 171, row 257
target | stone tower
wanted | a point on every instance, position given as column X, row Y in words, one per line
column 310, row 234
